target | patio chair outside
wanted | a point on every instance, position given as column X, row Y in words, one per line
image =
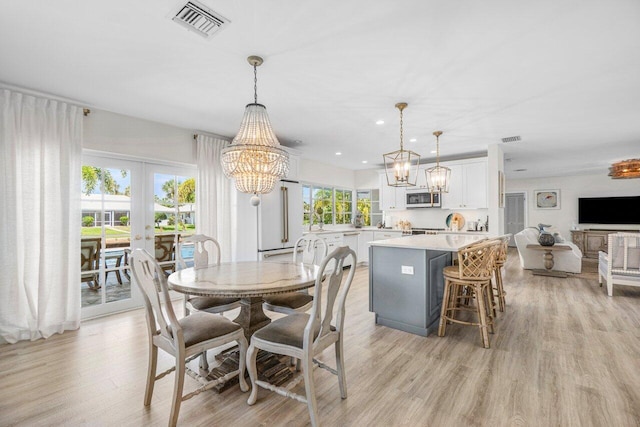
column 89, row 259
column 165, row 251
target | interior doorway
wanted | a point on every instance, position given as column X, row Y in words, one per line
column 515, row 213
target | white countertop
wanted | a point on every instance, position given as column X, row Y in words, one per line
column 350, row 230
column 477, row 233
column 437, row 242
column 393, row 230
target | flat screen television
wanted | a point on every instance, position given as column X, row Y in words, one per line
column 609, row 210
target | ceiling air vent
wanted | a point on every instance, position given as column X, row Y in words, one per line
column 512, row 139
column 197, row 17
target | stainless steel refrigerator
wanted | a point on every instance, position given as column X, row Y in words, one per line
column 280, row 219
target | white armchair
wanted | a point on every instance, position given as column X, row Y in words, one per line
column 569, row 261
column 621, row 265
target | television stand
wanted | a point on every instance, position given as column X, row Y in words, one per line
column 591, row 241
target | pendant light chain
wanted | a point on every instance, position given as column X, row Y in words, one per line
column 255, row 83
column 437, row 150
column 401, row 132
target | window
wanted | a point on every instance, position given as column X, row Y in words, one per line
column 368, row 203
column 327, row 205
column 343, row 205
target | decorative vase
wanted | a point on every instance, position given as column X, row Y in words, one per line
column 546, row 239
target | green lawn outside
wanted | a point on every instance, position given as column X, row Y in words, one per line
column 109, row 231
column 126, row 230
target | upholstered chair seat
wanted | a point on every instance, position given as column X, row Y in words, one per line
column 304, row 336
column 185, row 339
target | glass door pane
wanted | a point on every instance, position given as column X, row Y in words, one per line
column 174, row 197
column 106, row 229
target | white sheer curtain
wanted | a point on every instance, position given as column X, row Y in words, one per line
column 214, row 207
column 40, row 152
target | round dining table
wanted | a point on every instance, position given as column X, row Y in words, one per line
column 247, row 280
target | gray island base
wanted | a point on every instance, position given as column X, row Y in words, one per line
column 406, row 282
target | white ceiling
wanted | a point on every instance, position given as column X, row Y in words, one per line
column 564, row 75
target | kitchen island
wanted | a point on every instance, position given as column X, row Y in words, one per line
column 406, row 282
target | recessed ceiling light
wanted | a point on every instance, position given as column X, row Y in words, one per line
column 380, row 122
column 338, row 153
column 412, row 140
column 433, row 151
column 364, row 161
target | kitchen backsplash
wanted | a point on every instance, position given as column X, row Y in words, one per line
column 433, row 218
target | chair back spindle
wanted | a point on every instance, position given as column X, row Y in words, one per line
column 314, row 250
column 152, row 281
column 206, row 251
column 476, row 261
column 330, row 275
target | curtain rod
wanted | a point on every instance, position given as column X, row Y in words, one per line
column 224, row 138
column 40, row 94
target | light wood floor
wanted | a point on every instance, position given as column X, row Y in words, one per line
column 563, row 354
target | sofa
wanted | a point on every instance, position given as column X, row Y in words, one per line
column 569, row 261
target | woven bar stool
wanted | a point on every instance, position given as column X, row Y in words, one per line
column 501, row 259
column 470, row 279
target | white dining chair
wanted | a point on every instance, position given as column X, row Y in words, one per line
column 311, row 250
column 184, row 339
column 303, row 336
column 206, row 252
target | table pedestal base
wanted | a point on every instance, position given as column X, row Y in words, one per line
column 252, row 316
column 271, row 368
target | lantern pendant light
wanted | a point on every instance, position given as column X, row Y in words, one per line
column 438, row 177
column 254, row 158
column 401, row 166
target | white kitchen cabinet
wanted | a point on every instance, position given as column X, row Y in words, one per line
column 391, row 198
column 421, row 180
column 468, row 186
column 333, row 241
column 387, row 234
column 365, row 237
column 350, row 239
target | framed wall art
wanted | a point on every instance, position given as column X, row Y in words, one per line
column 546, row 199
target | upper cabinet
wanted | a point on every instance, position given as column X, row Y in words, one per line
column 468, row 186
column 421, row 181
column 391, row 198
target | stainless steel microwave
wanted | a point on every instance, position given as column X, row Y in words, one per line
column 422, row 199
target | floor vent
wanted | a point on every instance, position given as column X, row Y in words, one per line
column 197, row 17
column 512, row 139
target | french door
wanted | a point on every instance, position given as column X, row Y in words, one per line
column 128, row 205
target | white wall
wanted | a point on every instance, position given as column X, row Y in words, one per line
column 116, row 133
column 368, row 178
column 571, row 188
column 314, row 172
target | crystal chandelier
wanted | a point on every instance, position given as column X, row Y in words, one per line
column 625, row 169
column 438, row 177
column 398, row 164
column 254, row 158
